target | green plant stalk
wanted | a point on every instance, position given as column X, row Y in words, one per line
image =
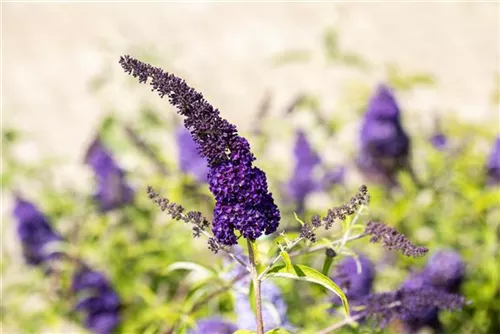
column 256, row 288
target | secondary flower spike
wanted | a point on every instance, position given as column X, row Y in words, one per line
column 190, row 160
column 385, row 145
column 493, row 167
column 97, row 300
column 302, row 182
column 240, row 189
column 34, row 232
column 112, row 190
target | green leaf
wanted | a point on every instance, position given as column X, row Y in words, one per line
column 191, row 266
column 278, row 331
column 305, row 273
column 287, row 260
column 243, row 331
column 298, row 219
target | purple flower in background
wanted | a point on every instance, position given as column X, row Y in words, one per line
column 445, row 270
column 190, row 160
column 240, row 189
column 97, row 300
column 302, row 182
column 112, row 190
column 384, row 144
column 334, row 176
column 35, row 233
column 355, row 284
column 493, row 166
column 439, row 141
column 213, row 326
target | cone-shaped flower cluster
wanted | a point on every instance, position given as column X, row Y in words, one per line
column 240, row 189
column 385, row 145
column 444, row 272
column 190, row 160
column 97, row 300
column 214, row 326
column 112, row 190
column 493, row 167
column 35, row 233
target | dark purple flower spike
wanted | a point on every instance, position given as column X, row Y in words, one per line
column 35, row 233
column 240, row 189
column 385, row 145
column 190, row 160
column 97, row 300
column 214, row 326
column 493, row 166
column 112, row 190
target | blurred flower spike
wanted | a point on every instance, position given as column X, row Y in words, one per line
column 112, row 190
column 240, row 189
column 35, row 233
column 385, row 146
column 190, row 160
column 493, row 166
column 97, row 300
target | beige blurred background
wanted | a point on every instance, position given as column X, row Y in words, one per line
column 54, row 53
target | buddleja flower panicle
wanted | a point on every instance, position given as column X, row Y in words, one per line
column 392, row 239
column 404, row 303
column 240, row 189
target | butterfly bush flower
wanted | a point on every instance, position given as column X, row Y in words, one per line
column 97, row 300
column 385, row 145
column 190, row 160
column 35, row 233
column 493, row 166
column 355, row 284
column 112, row 190
column 302, row 182
column 213, row 325
column 445, row 270
column 439, row 141
column 243, row 202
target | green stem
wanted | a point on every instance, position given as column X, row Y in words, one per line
column 256, row 288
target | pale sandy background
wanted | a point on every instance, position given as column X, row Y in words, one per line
column 52, row 51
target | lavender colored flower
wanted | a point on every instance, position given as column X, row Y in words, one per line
column 445, row 270
column 392, row 239
column 34, row 232
column 385, row 145
column 493, row 166
column 97, row 300
column 190, row 160
column 240, row 189
column 355, row 284
column 334, row 176
column 112, row 190
column 407, row 302
column 439, row 141
column 302, row 182
column 213, row 326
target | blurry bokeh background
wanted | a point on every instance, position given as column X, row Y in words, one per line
column 62, row 83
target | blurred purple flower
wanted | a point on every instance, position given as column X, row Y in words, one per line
column 439, row 141
column 385, row 145
column 213, row 326
column 445, row 270
column 334, row 176
column 35, row 233
column 190, row 160
column 112, row 190
column 355, row 285
column 240, row 189
column 97, row 300
column 493, row 166
column 302, row 182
